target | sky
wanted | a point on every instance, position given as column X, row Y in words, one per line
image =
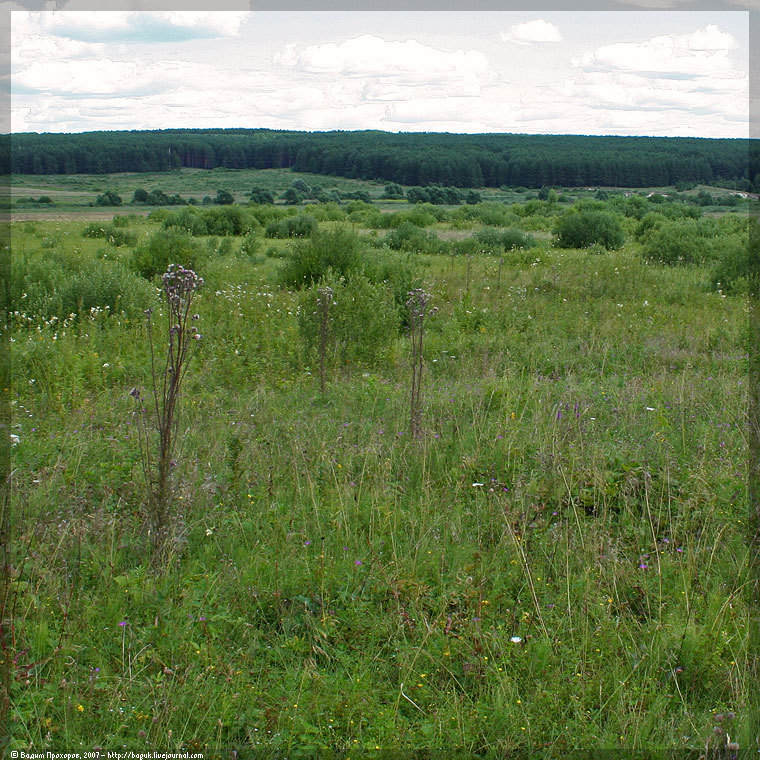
column 662, row 73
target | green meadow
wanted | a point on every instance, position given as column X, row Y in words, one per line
column 557, row 561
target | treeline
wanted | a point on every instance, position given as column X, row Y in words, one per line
column 423, row 159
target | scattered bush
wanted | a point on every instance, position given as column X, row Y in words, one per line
column 250, row 245
column 110, row 233
column 393, row 191
column 224, row 198
column 102, row 285
column 738, row 266
column 363, row 320
column 436, row 195
column 292, row 196
column 336, row 249
column 358, row 195
column 166, row 247
column 581, row 229
column 676, row 242
column 366, row 215
column 328, row 212
column 261, row 195
column 409, row 237
column 108, row 198
column 300, row 226
column 504, row 240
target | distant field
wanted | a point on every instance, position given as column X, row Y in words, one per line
column 74, row 196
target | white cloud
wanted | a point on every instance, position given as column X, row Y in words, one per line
column 680, row 80
column 703, row 53
column 142, row 26
column 370, row 57
column 537, row 30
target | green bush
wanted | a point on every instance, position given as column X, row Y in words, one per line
column 738, row 267
column 397, row 271
column 53, row 289
column 166, row 247
column 102, row 285
column 110, row 233
column 582, row 229
column 328, row 212
column 504, row 240
column 300, row 226
column 366, row 215
column 108, row 198
column 261, row 195
column 677, row 242
column 337, row 249
column 226, row 220
column 363, row 321
column 250, row 245
column 190, row 220
column 410, row 237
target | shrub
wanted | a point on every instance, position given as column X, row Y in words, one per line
column 409, row 237
column 228, row 220
column 363, row 321
column 108, row 198
column 738, row 267
column 581, row 229
column 164, row 248
column 336, row 249
column 677, row 242
column 101, row 284
column 366, row 214
column 328, row 212
column 110, row 233
column 505, row 240
column 397, row 271
column 188, row 220
column 421, row 216
column 250, row 245
column 358, row 195
column 292, row 196
column 224, row 198
column 393, row 191
column 300, row 226
column 261, row 195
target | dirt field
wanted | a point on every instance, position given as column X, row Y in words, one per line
column 86, row 216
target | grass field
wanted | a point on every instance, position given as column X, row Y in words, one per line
column 558, row 562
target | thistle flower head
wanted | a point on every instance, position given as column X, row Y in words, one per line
column 417, row 302
column 179, row 282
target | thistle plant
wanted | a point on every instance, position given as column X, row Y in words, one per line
column 179, row 288
column 324, row 299
column 416, row 305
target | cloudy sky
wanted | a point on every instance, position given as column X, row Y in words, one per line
column 630, row 73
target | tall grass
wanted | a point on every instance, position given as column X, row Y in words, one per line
column 558, row 563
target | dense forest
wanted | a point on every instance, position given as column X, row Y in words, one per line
column 484, row 160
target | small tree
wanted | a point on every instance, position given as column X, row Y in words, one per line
column 292, row 196
column 261, row 195
column 224, row 198
column 109, row 198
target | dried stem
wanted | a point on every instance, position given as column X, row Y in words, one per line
column 323, row 305
column 179, row 287
column 417, row 307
